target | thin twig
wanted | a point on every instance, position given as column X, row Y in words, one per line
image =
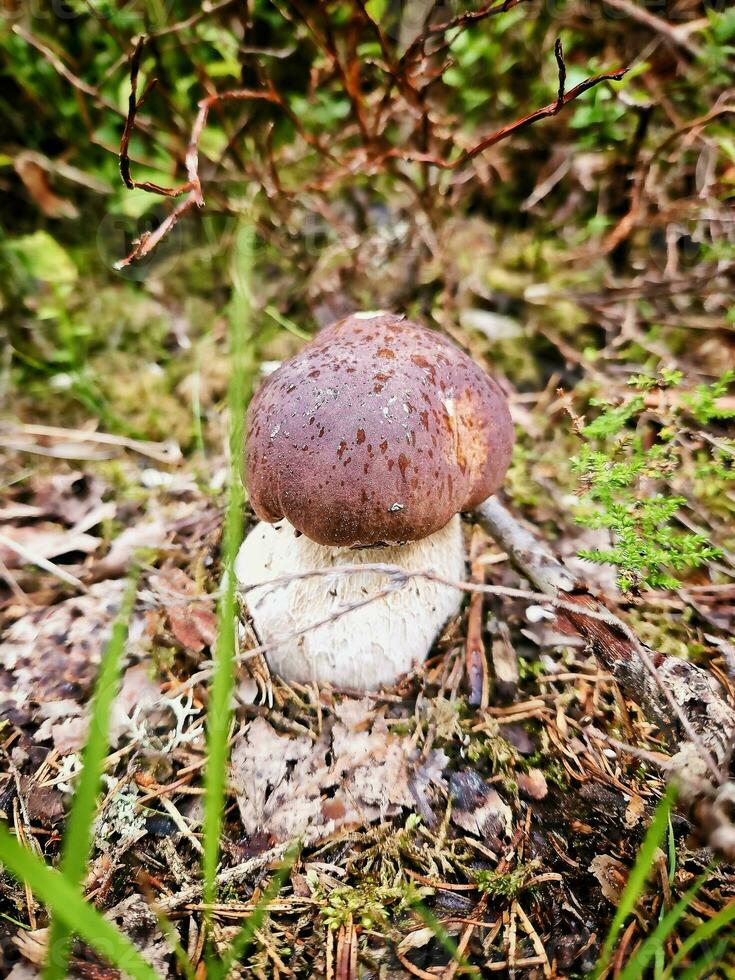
column 135, row 103
column 371, row 154
column 678, row 35
column 710, row 726
column 160, row 452
column 552, row 109
column 43, row 563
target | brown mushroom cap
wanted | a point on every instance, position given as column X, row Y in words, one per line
column 378, row 431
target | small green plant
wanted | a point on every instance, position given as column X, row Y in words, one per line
column 702, row 403
column 368, row 903
column 653, row 947
column 506, row 884
column 625, row 487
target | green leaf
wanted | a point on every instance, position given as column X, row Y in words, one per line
column 77, row 844
column 65, row 902
column 43, row 258
column 637, row 878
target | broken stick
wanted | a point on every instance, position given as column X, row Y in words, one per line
column 682, row 699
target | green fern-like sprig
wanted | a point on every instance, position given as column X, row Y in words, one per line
column 623, row 489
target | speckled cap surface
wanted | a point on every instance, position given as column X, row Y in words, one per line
column 378, row 431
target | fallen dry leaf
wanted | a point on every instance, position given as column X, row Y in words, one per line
column 52, row 654
column 417, row 939
column 33, row 945
column 43, row 541
column 288, row 787
column 146, row 534
column 532, row 784
column 45, row 804
column 68, row 735
column 192, row 624
column 195, row 627
column 49, row 661
column 23, row 971
column 68, row 497
column 138, row 694
column 36, row 182
column 634, row 811
column 479, row 809
column 611, row 874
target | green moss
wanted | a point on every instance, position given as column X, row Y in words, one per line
column 506, row 884
column 369, row 903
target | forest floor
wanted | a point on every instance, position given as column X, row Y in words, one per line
column 512, row 811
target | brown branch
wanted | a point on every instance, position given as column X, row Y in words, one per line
column 349, row 75
column 475, row 655
column 552, row 109
column 367, row 157
column 134, row 104
column 147, row 242
column 74, row 80
column 208, row 9
column 192, row 186
column 677, row 35
column 61, row 69
column 461, row 20
column 668, row 690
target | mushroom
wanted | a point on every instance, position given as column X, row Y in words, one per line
column 363, row 449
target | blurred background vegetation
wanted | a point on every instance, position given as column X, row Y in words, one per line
column 627, row 190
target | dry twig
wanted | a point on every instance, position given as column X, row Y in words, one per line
column 672, row 692
column 371, row 155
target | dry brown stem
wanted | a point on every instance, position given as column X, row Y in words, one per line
column 406, row 87
column 681, row 698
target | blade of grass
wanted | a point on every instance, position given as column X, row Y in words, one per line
column 660, row 953
column 239, row 945
column 66, row 904
column 637, row 878
column 636, row 965
column 440, row 933
column 77, row 844
column 705, row 963
column 219, row 713
column 706, row 931
column 286, row 323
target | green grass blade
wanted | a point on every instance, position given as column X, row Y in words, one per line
column 219, row 713
column 77, row 844
column 637, row 878
column 635, row 967
column 440, row 933
column 66, row 903
column 660, row 953
column 240, row 944
column 703, row 966
column 286, row 323
column 702, row 934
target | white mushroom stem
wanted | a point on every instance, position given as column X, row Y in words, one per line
column 360, row 631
